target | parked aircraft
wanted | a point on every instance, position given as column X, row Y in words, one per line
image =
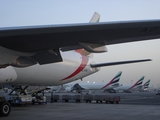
column 55, row 55
column 127, row 88
column 145, row 86
column 95, row 85
column 48, row 55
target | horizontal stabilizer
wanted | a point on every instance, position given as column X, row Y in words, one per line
column 118, row 63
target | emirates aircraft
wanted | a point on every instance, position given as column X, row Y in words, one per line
column 145, row 85
column 95, row 85
column 58, row 54
column 135, row 86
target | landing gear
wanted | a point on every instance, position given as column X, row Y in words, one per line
column 5, row 108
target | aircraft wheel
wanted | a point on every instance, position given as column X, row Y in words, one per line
column 5, row 108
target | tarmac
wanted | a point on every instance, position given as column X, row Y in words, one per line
column 133, row 106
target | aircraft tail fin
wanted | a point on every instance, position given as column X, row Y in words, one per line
column 114, row 80
column 95, row 17
column 138, row 83
column 147, row 84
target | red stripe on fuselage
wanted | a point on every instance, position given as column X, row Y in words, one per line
column 80, row 68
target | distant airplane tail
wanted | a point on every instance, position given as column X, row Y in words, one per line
column 147, row 84
column 138, row 83
column 114, row 80
column 95, row 17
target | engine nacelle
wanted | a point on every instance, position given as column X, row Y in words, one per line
column 7, row 75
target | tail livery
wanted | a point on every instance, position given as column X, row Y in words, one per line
column 138, row 83
column 114, row 80
column 147, row 84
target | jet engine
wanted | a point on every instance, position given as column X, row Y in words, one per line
column 7, row 75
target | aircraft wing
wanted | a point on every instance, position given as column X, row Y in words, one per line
column 69, row 37
column 25, row 46
column 118, row 63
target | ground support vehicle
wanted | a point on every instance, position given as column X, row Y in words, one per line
column 54, row 98
column 101, row 98
column 17, row 96
column 66, row 98
column 38, row 96
column 40, row 99
column 5, row 107
column 115, row 99
column 19, row 99
column 88, row 98
column 78, row 98
column 98, row 98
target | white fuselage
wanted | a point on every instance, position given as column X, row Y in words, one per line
column 127, row 87
column 94, row 86
column 74, row 67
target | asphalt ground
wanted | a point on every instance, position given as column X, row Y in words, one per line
column 133, row 106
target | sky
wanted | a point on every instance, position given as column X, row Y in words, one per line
column 46, row 12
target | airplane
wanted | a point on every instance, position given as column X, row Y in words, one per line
column 94, row 86
column 58, row 54
column 128, row 88
column 25, row 60
column 145, row 85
